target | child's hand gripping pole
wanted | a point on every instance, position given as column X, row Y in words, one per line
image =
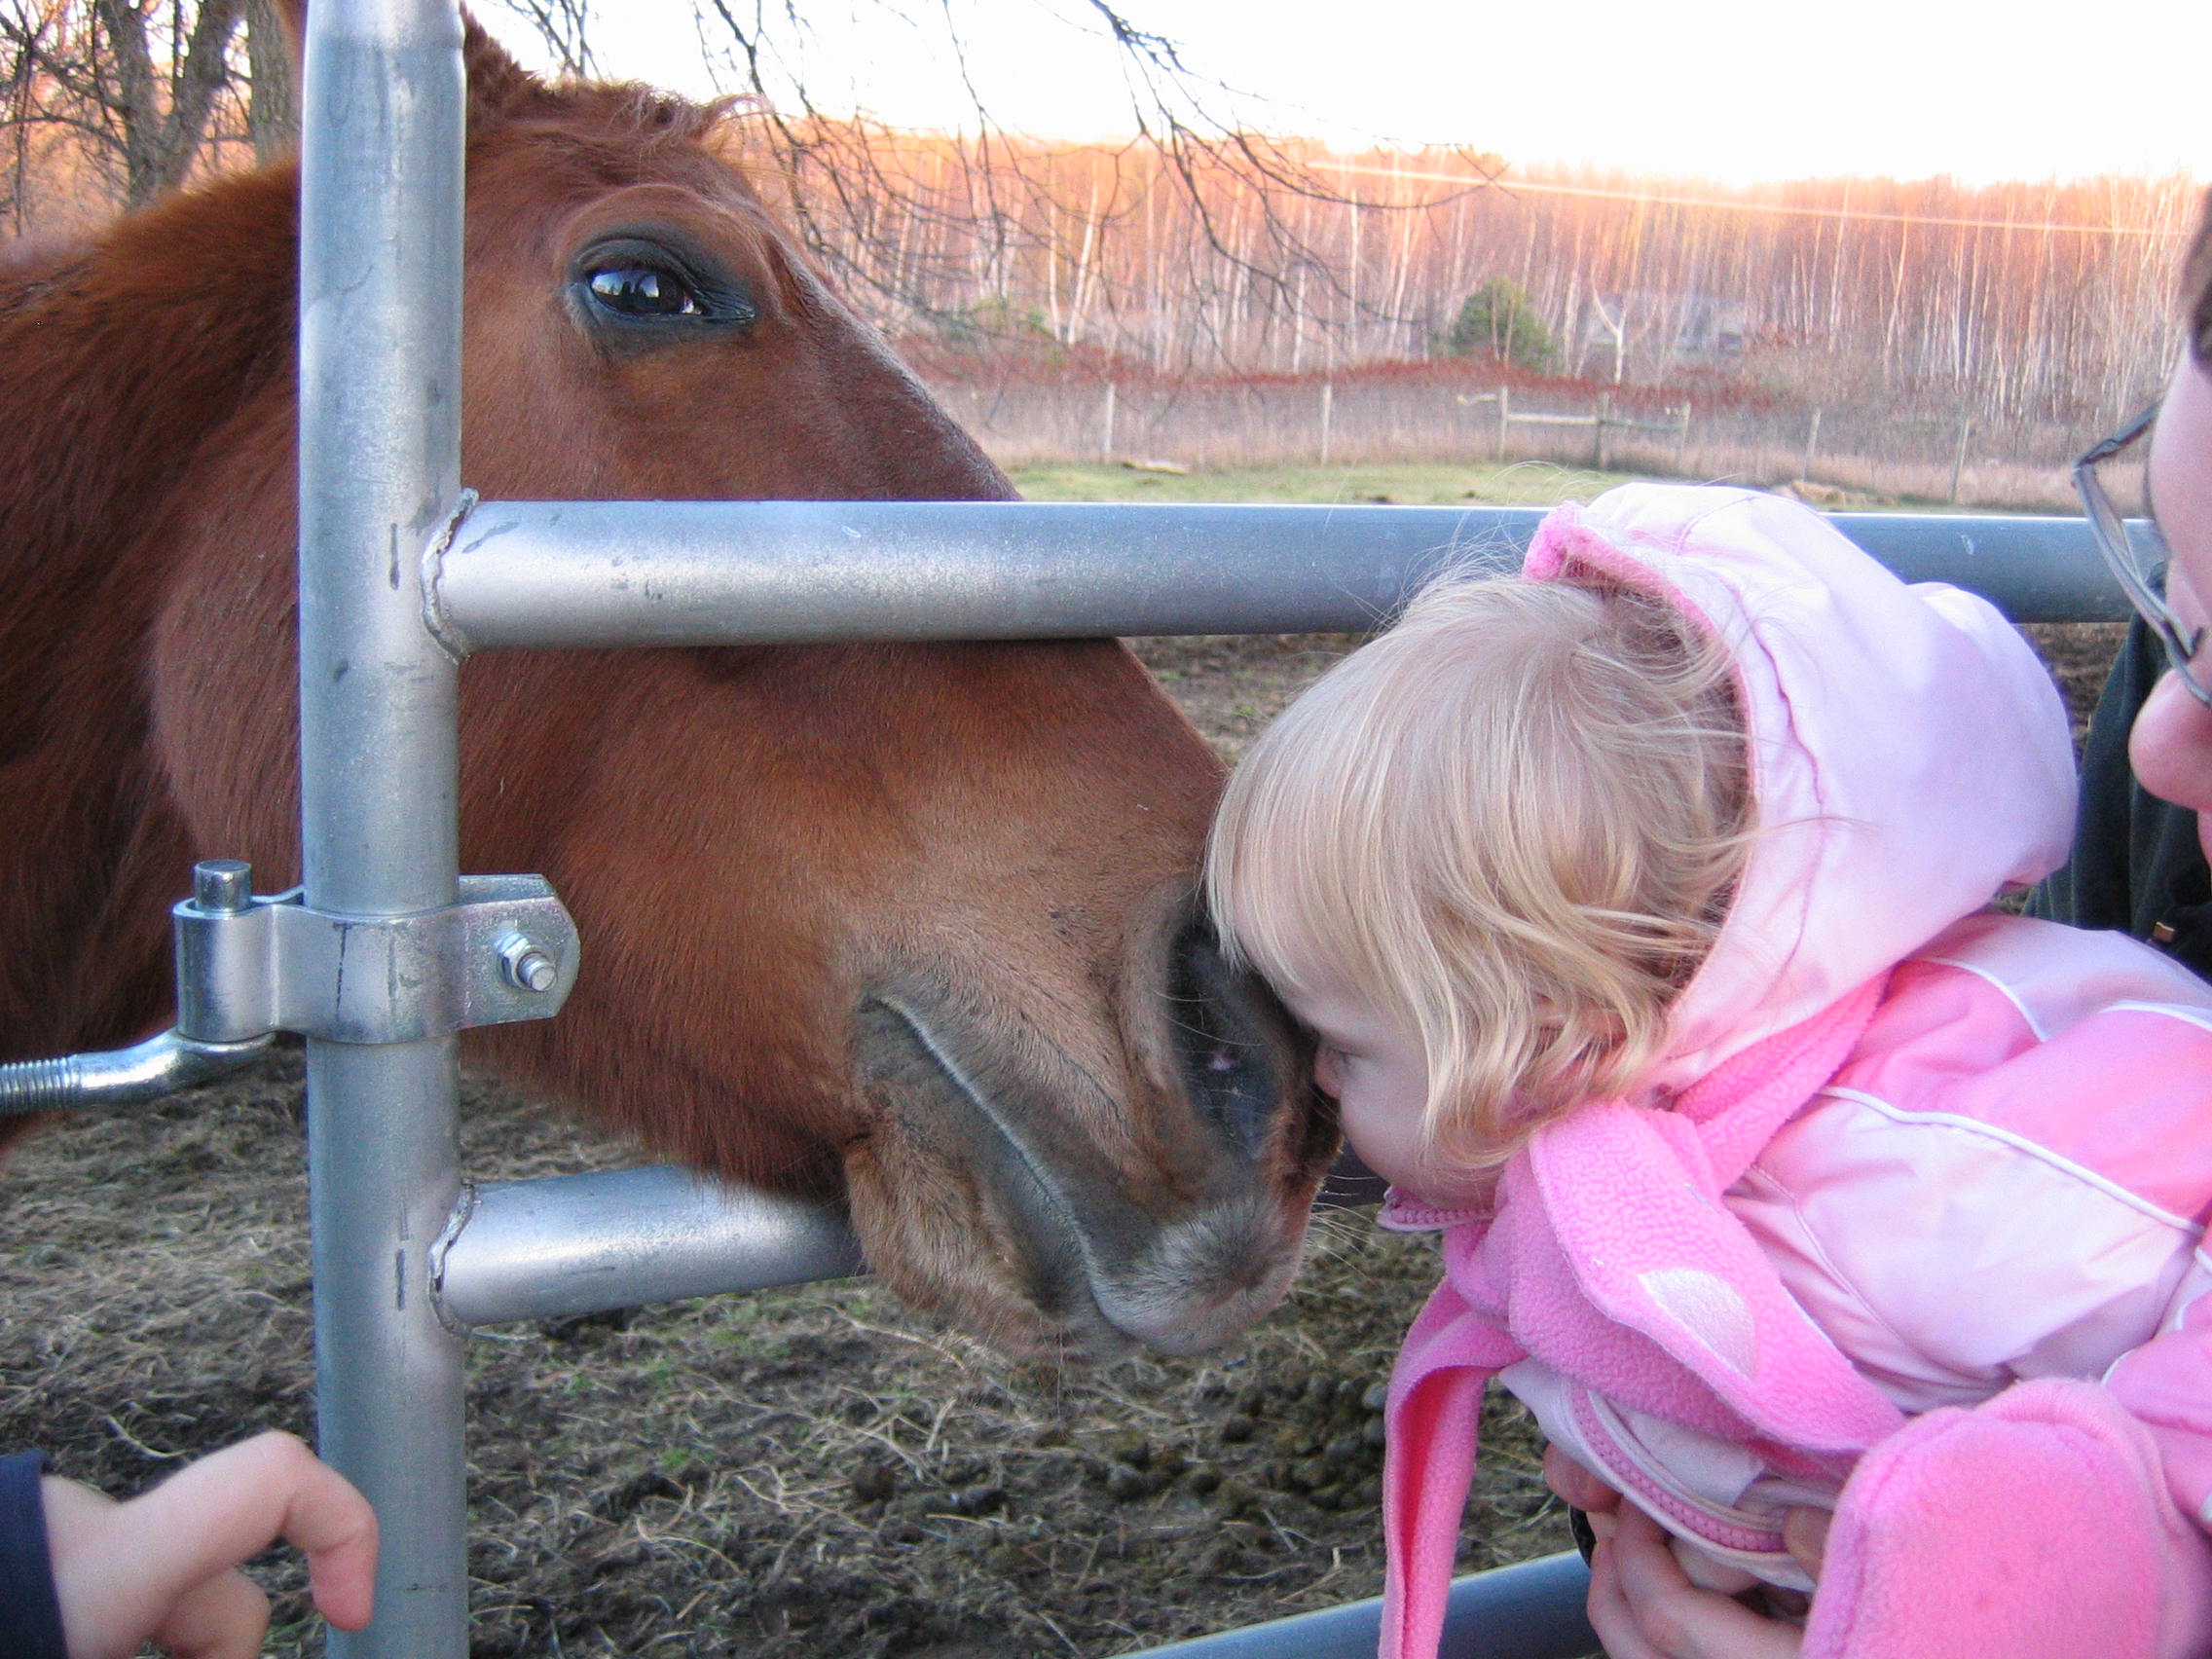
column 163, row 1567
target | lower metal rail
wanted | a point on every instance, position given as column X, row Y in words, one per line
column 1529, row 1611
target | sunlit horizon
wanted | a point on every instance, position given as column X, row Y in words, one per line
column 1727, row 92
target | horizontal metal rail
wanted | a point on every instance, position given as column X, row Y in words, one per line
column 729, row 573
column 1529, row 1611
column 625, row 1238
column 555, row 1248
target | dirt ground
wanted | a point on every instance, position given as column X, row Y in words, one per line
column 801, row 1472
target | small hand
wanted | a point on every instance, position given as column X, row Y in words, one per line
column 163, row 1567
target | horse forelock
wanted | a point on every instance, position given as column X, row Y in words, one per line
column 627, row 116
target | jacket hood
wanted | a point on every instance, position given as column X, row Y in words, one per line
column 1908, row 755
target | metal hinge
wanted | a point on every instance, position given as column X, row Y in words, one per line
column 249, row 964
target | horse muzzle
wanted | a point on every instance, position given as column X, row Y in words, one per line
column 1075, row 1211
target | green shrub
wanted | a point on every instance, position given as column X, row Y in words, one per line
column 998, row 317
column 1499, row 320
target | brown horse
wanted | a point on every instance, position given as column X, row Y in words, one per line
column 909, row 923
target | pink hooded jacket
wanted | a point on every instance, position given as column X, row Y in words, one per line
column 1906, row 1222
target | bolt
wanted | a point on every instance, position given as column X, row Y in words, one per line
column 222, row 887
column 526, row 966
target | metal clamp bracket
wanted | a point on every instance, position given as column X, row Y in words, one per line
column 247, row 964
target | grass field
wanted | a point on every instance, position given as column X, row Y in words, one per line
column 1524, row 484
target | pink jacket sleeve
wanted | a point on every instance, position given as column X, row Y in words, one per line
column 2166, row 1384
column 2036, row 1526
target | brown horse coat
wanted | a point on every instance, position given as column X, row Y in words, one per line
column 911, row 923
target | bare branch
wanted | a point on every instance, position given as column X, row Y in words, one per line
column 565, row 26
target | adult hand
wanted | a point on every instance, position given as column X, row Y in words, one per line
column 1643, row 1606
column 163, row 1567
column 1571, row 1482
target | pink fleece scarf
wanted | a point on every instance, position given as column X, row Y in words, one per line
column 1613, row 1258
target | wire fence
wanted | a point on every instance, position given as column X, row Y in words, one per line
column 1840, row 450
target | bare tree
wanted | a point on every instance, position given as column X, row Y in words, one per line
column 887, row 228
column 565, row 26
column 131, row 96
column 135, row 83
column 273, row 115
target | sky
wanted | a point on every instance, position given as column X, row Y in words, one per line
column 1732, row 90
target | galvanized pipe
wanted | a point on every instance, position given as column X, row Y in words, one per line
column 587, row 1243
column 572, row 1244
column 120, row 1077
column 379, row 462
column 1532, row 1610
column 728, row 572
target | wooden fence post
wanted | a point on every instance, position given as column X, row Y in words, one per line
column 1812, row 443
column 1683, row 438
column 1106, row 430
column 1505, row 417
column 1959, row 460
column 1598, row 430
column 1328, row 412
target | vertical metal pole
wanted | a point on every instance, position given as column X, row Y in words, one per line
column 380, row 461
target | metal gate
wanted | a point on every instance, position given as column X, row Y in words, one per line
column 403, row 573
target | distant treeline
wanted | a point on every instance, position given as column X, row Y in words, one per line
column 2013, row 302
column 1205, row 254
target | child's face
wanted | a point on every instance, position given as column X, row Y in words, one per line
column 1375, row 1067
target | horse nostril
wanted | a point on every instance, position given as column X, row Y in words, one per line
column 1232, row 1042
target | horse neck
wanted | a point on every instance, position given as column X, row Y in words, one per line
column 125, row 368
column 119, row 364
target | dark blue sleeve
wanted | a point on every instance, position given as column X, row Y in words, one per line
column 30, row 1615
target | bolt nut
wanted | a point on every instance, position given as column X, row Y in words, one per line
column 222, row 887
column 527, row 965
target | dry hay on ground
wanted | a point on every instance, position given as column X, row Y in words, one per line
column 798, row 1472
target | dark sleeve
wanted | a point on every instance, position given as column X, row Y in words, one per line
column 2137, row 866
column 30, row 1615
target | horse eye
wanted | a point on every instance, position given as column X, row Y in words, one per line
column 643, row 290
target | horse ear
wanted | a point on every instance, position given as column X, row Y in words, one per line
column 291, row 18
column 498, row 84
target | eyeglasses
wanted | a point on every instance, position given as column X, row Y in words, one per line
column 2138, row 562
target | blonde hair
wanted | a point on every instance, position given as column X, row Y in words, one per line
column 1513, row 820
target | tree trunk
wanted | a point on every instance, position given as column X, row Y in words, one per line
column 272, row 113
column 193, row 91
column 160, row 146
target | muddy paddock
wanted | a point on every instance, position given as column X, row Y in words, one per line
column 801, row 1472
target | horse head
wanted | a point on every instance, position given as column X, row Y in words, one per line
column 909, row 924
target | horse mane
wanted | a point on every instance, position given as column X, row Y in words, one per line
column 119, row 358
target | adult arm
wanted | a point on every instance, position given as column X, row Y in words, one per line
column 2036, row 1526
column 29, row 1612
